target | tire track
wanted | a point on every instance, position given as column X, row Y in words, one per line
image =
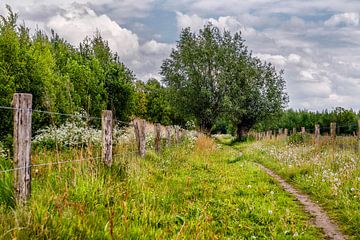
column 322, row 220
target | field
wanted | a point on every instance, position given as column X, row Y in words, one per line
column 196, row 190
column 328, row 172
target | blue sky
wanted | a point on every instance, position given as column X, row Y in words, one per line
column 316, row 42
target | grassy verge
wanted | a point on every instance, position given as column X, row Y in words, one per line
column 330, row 175
column 201, row 191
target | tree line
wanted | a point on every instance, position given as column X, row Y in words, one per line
column 67, row 79
column 345, row 119
column 210, row 81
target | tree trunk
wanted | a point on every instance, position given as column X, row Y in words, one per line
column 241, row 131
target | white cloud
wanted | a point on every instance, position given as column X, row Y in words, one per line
column 77, row 21
column 294, row 58
column 320, row 57
column 154, row 47
column 278, row 60
column 80, row 21
column 193, row 21
column 350, row 18
column 228, row 23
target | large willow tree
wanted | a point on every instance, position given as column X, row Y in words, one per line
column 211, row 74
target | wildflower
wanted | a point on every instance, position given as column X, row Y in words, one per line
column 270, row 212
column 272, row 192
column 352, row 189
column 296, row 234
column 249, row 186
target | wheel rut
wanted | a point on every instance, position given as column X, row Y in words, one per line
column 322, row 220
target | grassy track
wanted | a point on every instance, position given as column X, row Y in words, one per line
column 203, row 191
column 330, row 177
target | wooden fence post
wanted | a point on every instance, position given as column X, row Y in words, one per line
column 286, row 132
column 333, row 130
column 168, row 135
column 303, row 131
column 22, row 102
column 157, row 131
column 294, row 131
column 280, row 131
column 106, row 132
column 142, row 129
column 177, row 135
column 137, row 134
column 317, row 134
column 139, row 129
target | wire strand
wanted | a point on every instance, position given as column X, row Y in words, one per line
column 62, row 162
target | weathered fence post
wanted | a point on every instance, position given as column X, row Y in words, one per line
column 157, row 131
column 303, row 131
column 333, row 130
column 317, row 134
column 106, row 132
column 139, row 128
column 177, row 134
column 142, row 129
column 168, row 135
column 286, row 132
column 294, row 131
column 137, row 133
column 22, row 103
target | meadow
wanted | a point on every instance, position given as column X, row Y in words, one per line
column 329, row 172
column 198, row 189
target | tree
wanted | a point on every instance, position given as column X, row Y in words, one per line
column 211, row 75
column 61, row 78
column 256, row 92
column 194, row 76
column 152, row 102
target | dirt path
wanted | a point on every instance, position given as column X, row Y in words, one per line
column 322, row 220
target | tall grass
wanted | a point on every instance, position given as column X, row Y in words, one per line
column 196, row 190
column 329, row 172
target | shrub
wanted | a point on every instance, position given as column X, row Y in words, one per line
column 298, row 138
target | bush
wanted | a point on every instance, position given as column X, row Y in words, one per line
column 298, row 138
column 77, row 132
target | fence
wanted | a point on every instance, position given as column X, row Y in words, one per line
column 329, row 133
column 22, row 139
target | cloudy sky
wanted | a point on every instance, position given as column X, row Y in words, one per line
column 316, row 42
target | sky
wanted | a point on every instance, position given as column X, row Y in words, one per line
column 316, row 42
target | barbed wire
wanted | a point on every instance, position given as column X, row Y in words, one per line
column 64, row 114
column 62, row 162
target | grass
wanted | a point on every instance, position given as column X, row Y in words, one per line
column 329, row 173
column 192, row 191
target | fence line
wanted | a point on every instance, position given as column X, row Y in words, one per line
column 270, row 134
column 22, row 108
column 49, row 112
column 63, row 162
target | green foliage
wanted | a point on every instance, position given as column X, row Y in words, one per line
column 211, row 75
column 61, row 77
column 298, row 138
column 346, row 120
column 152, row 102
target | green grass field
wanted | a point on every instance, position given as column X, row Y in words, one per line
column 329, row 173
column 192, row 191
